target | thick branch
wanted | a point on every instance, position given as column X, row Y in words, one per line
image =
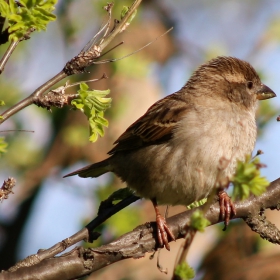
column 86, row 233
column 143, row 240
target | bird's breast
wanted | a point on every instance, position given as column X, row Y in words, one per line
column 185, row 169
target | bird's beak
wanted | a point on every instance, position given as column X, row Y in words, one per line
column 265, row 93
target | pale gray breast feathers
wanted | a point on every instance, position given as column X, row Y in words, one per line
column 185, row 168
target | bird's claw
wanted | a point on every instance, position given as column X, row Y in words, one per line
column 227, row 208
column 163, row 231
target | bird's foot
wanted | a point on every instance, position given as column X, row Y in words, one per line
column 163, row 230
column 227, row 208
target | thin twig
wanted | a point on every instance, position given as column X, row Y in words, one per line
column 33, row 97
column 7, row 55
column 108, row 8
column 74, row 66
column 57, row 97
column 119, row 44
column 94, row 38
column 183, row 252
column 130, row 54
column 120, row 25
column 17, row 130
column 104, row 76
column 12, row 47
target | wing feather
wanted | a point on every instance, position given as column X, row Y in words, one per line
column 155, row 126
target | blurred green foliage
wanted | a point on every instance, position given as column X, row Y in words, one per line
column 75, row 135
column 22, row 155
column 3, row 146
column 266, row 112
column 136, row 66
column 273, row 30
column 184, row 271
column 198, row 221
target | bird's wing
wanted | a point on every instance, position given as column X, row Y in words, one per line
column 155, row 126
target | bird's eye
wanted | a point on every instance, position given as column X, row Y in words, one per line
column 249, row 85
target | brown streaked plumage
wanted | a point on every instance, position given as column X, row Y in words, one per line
column 172, row 154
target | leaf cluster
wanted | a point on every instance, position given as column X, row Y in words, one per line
column 25, row 15
column 184, row 271
column 124, row 11
column 198, row 221
column 248, row 179
column 93, row 104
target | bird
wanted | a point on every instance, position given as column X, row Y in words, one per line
column 172, row 154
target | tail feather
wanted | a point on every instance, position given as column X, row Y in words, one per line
column 93, row 170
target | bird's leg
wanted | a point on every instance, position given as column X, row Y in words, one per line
column 227, row 208
column 163, row 231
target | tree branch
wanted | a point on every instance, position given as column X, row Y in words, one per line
column 76, row 65
column 86, row 233
column 8, row 54
column 12, row 47
column 141, row 240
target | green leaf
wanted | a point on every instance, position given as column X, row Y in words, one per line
column 248, row 179
column 31, row 14
column 3, row 146
column 184, row 271
column 83, row 86
column 4, row 8
column 197, row 203
column 2, row 103
column 124, row 11
column 198, row 221
column 15, row 18
column 93, row 104
column 13, row 7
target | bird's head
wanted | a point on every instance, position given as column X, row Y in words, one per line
column 231, row 78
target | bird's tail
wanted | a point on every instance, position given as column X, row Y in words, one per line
column 93, row 170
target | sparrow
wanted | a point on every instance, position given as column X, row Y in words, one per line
column 172, row 154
